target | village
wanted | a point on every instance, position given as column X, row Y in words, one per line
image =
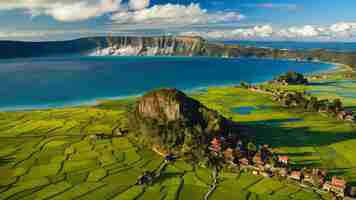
column 262, row 161
column 302, row 100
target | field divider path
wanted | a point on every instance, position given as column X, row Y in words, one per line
column 213, row 186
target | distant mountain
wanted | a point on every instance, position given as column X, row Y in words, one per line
column 116, row 46
column 166, row 46
column 15, row 49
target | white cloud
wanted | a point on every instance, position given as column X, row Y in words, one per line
column 338, row 30
column 81, row 10
column 138, row 4
column 174, row 14
column 239, row 33
column 342, row 30
column 64, row 10
column 295, row 32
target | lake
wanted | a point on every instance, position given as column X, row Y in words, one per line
column 56, row 82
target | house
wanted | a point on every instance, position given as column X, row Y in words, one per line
column 341, row 115
column 315, row 177
column 254, row 172
column 349, row 117
column 215, row 145
column 244, row 162
column 229, row 155
column 93, row 139
column 145, row 179
column 119, row 132
column 346, row 115
column 283, row 172
column 283, row 160
column 267, row 174
column 336, row 185
column 296, row 175
column 170, row 157
column 257, row 160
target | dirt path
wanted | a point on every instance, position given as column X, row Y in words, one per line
column 213, row 186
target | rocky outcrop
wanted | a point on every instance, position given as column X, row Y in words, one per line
column 171, row 119
column 169, row 105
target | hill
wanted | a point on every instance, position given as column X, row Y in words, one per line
column 174, row 121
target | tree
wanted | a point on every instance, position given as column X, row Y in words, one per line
column 313, row 104
column 337, row 105
column 243, row 84
column 251, row 148
column 293, row 78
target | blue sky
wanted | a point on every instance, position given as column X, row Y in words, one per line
column 306, row 20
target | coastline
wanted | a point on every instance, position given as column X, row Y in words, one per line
column 333, row 67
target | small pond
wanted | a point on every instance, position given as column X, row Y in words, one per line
column 243, row 110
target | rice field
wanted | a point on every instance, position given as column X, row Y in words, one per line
column 48, row 154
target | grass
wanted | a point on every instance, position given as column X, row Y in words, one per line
column 97, row 175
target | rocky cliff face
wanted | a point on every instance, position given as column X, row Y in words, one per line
column 116, row 46
column 171, row 119
column 168, row 105
column 150, row 46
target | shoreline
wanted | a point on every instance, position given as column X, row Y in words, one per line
column 335, row 67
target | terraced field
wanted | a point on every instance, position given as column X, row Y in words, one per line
column 48, row 155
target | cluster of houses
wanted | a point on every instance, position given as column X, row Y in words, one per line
column 263, row 161
column 298, row 99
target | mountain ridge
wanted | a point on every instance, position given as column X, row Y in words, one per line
column 164, row 46
column 109, row 45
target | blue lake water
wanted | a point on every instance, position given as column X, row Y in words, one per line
column 244, row 110
column 56, row 82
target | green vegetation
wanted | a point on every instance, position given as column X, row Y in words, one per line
column 292, row 78
column 50, row 154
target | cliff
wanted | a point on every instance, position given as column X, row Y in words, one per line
column 163, row 46
column 150, row 46
column 114, row 46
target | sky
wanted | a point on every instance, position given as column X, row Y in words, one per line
column 282, row 20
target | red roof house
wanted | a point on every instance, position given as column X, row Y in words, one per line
column 340, row 183
column 283, row 159
column 297, row 175
column 216, row 145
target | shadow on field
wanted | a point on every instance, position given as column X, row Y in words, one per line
column 290, row 137
column 5, row 160
column 326, row 83
column 279, row 136
column 353, row 108
column 274, row 122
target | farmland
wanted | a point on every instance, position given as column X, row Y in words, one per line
column 48, row 154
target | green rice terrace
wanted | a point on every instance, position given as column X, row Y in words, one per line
column 50, row 154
